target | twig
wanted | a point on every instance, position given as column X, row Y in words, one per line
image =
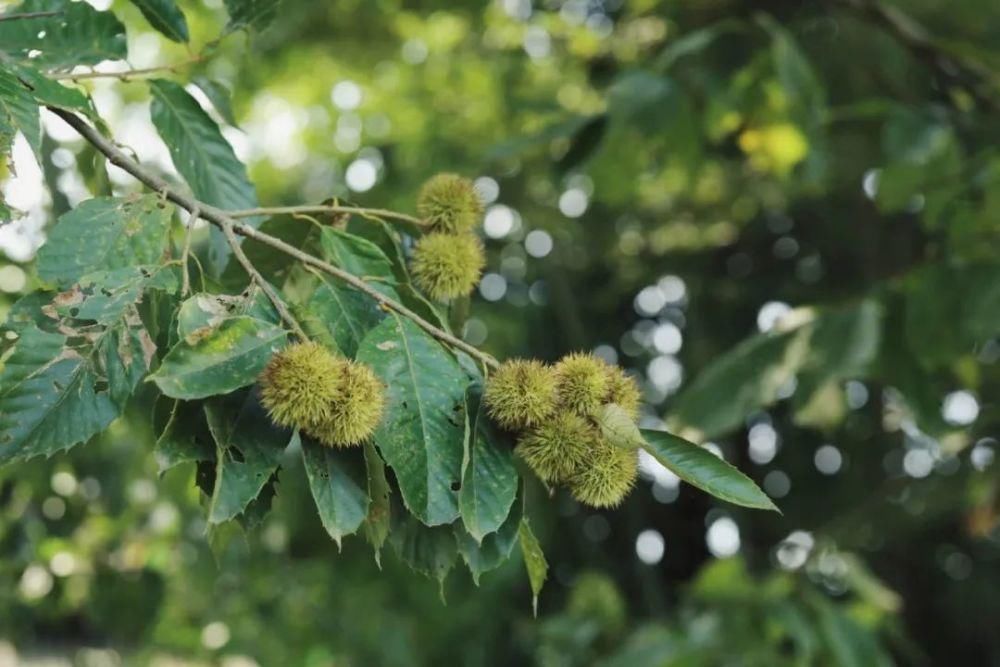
column 186, row 252
column 294, row 210
column 28, row 15
column 221, row 219
column 255, row 277
column 126, row 74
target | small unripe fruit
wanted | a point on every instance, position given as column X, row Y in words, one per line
column 558, row 448
column 299, row 384
column 582, row 382
column 521, row 393
column 447, row 266
column 355, row 412
column 607, row 477
column 623, row 391
column 450, row 203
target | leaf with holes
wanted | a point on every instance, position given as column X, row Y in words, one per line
column 249, row 448
column 105, row 233
column 77, row 34
column 104, row 296
column 60, row 389
column 338, row 481
column 421, row 436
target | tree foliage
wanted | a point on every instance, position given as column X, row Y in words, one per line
column 819, row 232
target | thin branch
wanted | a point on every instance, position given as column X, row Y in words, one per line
column 186, row 252
column 125, row 75
column 294, row 210
column 255, row 277
column 221, row 219
column 28, row 15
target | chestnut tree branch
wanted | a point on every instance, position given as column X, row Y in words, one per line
column 357, row 210
column 255, row 277
column 222, row 220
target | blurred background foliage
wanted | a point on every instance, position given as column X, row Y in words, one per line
column 784, row 217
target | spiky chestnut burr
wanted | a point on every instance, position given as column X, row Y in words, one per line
column 450, row 203
column 300, row 383
column 521, row 393
column 581, row 382
column 606, row 478
column 623, row 391
column 355, row 413
column 559, row 447
column 447, row 266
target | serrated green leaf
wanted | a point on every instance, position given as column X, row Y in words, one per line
column 338, row 481
column 250, row 14
column 77, row 35
column 489, row 479
column 249, row 448
column 494, row 549
column 224, row 359
column 31, row 311
column 704, row 470
column 534, row 562
column 204, row 158
column 343, row 313
column 49, row 92
column 360, row 257
column 104, row 296
column 430, row 551
column 105, row 233
column 617, row 427
column 219, row 96
column 165, row 16
column 18, row 113
column 48, row 401
column 379, row 519
column 421, row 436
column 202, row 313
column 182, row 439
column 59, row 389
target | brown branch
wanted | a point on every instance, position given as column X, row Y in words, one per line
column 295, row 210
column 28, row 15
column 255, row 277
column 221, row 219
column 125, row 75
